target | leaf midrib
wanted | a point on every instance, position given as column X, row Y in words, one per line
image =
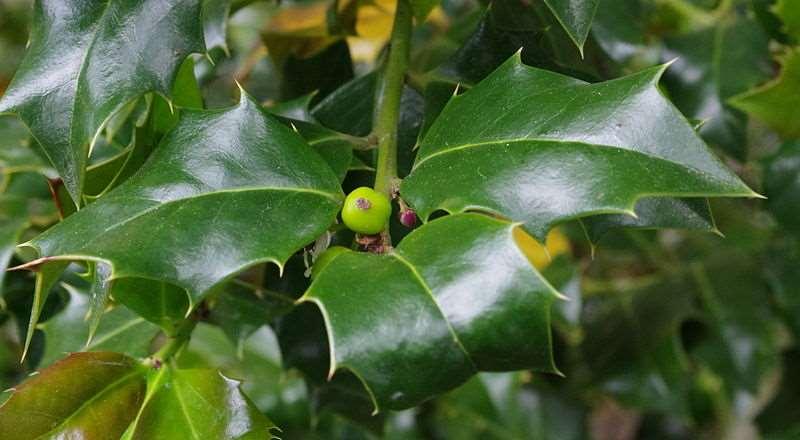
column 424, row 284
column 496, row 142
column 161, row 204
column 184, row 409
column 110, row 387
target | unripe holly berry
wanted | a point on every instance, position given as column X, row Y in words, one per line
column 366, row 211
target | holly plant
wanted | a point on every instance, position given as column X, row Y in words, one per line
column 238, row 219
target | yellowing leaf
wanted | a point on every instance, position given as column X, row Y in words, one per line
column 541, row 256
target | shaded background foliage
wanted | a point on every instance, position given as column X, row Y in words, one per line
column 667, row 334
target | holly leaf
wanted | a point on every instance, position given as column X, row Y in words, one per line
column 120, row 331
column 225, row 190
column 13, row 221
column 215, row 23
column 552, row 159
column 200, row 404
column 94, row 394
column 575, row 17
column 16, row 154
column 161, row 303
column 775, row 103
column 475, row 301
column 107, row 54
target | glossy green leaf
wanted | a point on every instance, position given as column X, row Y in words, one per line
column 305, row 347
column 47, row 276
column 16, row 154
column 107, row 53
column 200, row 404
column 575, row 16
column 656, row 213
column 98, row 296
column 336, row 148
column 215, row 23
column 225, row 190
column 120, row 330
column 13, row 221
column 474, row 300
column 554, row 159
column 89, row 395
column 279, row 393
column 161, row 303
column 775, row 103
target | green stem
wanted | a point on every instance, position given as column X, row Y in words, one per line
column 387, row 98
column 174, row 343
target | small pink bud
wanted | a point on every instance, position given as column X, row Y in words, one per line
column 408, row 218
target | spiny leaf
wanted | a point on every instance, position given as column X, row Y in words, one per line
column 106, row 53
column 215, row 23
column 461, row 297
column 575, row 16
column 553, row 158
column 94, row 394
column 120, row 330
column 46, row 277
column 13, row 221
column 200, row 404
column 225, row 189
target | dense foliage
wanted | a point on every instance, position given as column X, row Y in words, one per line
column 594, row 229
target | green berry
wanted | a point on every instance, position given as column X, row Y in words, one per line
column 366, row 211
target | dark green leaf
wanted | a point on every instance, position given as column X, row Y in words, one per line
column 656, row 213
column 161, row 303
column 215, row 23
column 281, row 394
column 225, row 190
column 47, row 276
column 120, row 330
column 94, row 394
column 575, row 16
column 598, row 152
column 474, row 300
column 13, row 221
column 107, row 53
